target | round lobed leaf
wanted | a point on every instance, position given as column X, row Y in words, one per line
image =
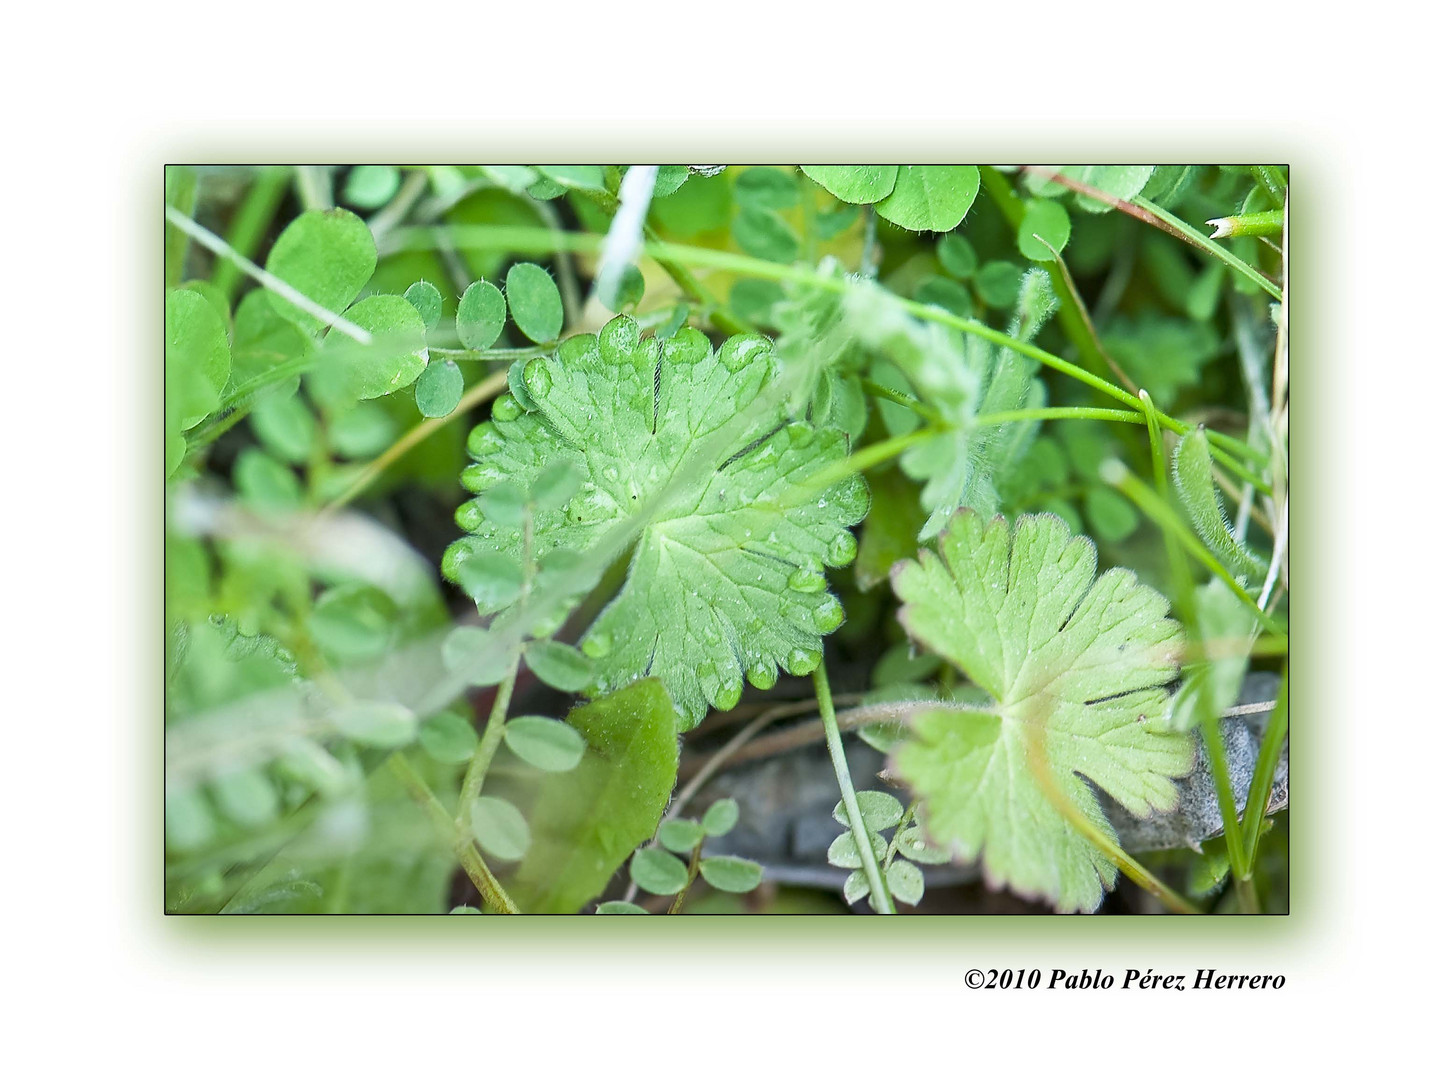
column 731, row 874
column 481, row 316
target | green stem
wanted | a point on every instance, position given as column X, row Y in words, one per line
column 250, row 224
column 1263, row 772
column 877, row 890
column 181, row 194
column 1262, row 223
column 480, row 392
column 1061, row 412
column 1119, row 477
column 1197, row 240
column 474, row 866
column 530, row 240
column 474, row 777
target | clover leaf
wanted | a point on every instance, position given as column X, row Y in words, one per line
column 1076, row 666
column 726, row 576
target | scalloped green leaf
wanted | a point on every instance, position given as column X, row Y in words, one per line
column 727, row 572
column 854, row 183
column 1076, row 666
column 931, row 197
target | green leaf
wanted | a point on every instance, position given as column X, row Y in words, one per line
column 285, row 425
column 588, row 821
column 472, row 652
column 764, row 235
column 353, row 623
column 843, row 852
column 427, row 301
column 998, row 283
column 1111, row 515
column 880, row 810
column 448, row 738
column 246, row 796
column 328, row 256
column 383, row 724
column 956, row 256
column 629, row 290
column 481, row 316
column 913, row 844
column 731, row 874
column 905, row 881
column 658, row 871
column 1076, row 667
column 1120, row 181
column 265, row 483
column 1213, row 685
column 680, row 836
column 668, row 179
column 559, row 665
column 580, row 177
column 931, row 197
column 1049, row 221
column 728, row 572
column 439, row 389
column 397, row 356
column 534, row 302
column 1161, row 353
column 721, row 817
column 370, row 186
column 854, row 183
column 947, row 294
column 189, row 821
column 362, row 431
column 891, row 530
column 500, row 828
column 619, row 907
column 198, row 359
column 766, row 187
column 549, row 745
column 554, row 485
column 1192, row 474
column 491, row 579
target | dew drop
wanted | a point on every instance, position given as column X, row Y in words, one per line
column 727, row 695
column 597, row 644
column 801, row 662
column 469, row 517
column 537, row 378
column 841, row 549
column 506, row 408
column 807, row 579
column 737, row 352
column 799, row 434
column 761, row 672
column 828, row 615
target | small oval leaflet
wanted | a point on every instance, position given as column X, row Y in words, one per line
column 680, row 836
column 534, row 302
column 559, row 665
column 384, row 724
column 471, row 652
column 439, row 389
column 550, row 745
column 427, row 301
column 448, row 738
column 905, row 881
column 658, row 872
column 619, row 907
column 481, row 316
column 731, row 874
column 720, row 818
column 880, row 810
column 500, row 828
